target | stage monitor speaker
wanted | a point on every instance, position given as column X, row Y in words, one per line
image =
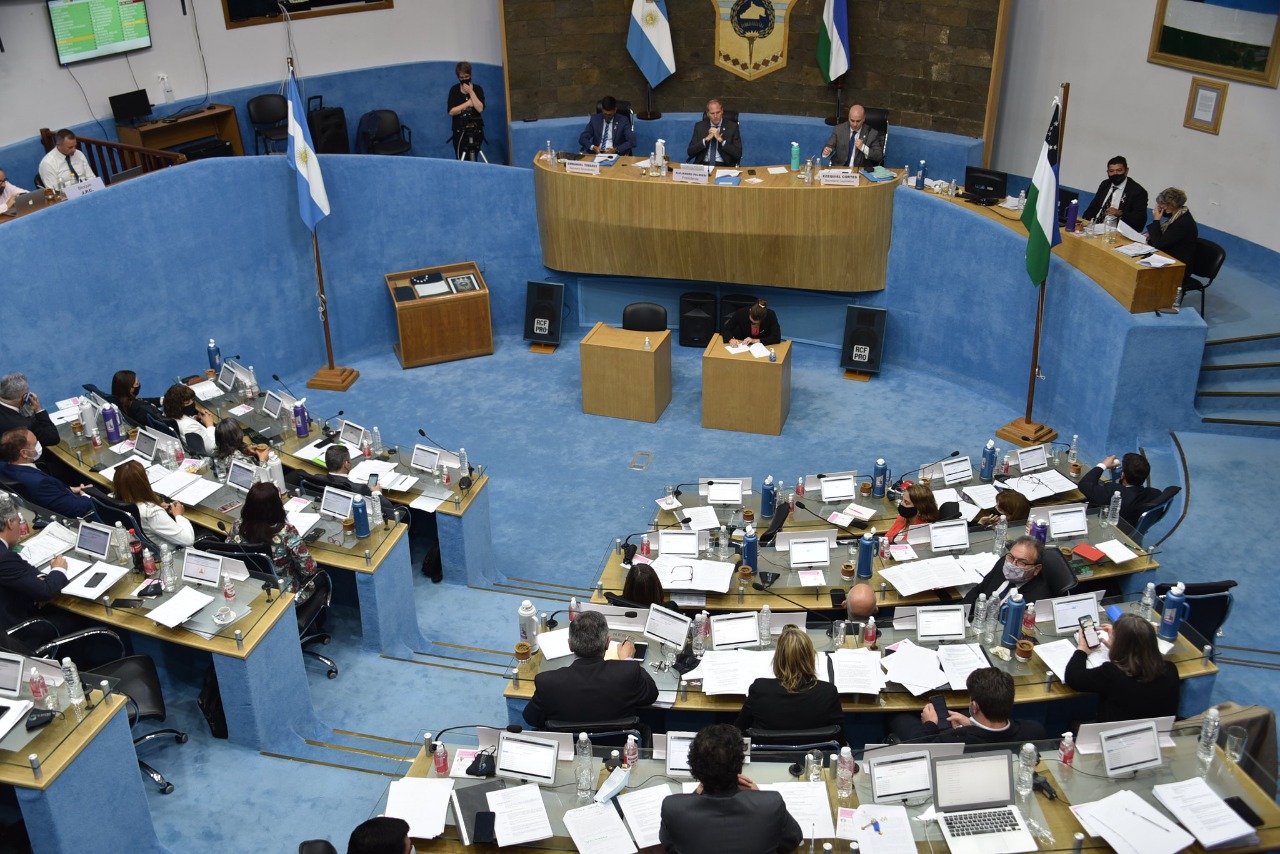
column 697, row 318
column 863, row 339
column 730, row 303
column 543, row 308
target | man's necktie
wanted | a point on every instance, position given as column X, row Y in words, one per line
column 74, row 174
column 853, row 147
column 711, row 149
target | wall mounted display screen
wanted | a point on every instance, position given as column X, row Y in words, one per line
column 88, row 29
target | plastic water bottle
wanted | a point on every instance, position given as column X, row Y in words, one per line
column 377, row 441
column 631, row 752
column 1022, row 199
column 1175, row 611
column 881, row 475
column 441, row 759
column 135, row 551
column 906, row 175
column 528, row 616
column 228, row 590
column 814, row 764
column 980, row 613
column 118, row 551
column 251, row 392
column 41, row 696
column 1026, row 770
column 1208, row 734
column 215, row 356
column 648, row 345
column 584, row 767
column 1029, row 621
column 464, row 465
column 168, row 577
column 870, row 633
column 645, row 546
column 1148, row 604
column 148, row 563
column 75, row 691
column 993, row 620
column 800, row 486
column 1113, row 510
column 575, row 608
column 767, row 497
column 766, row 627
column 375, row 508
column 1067, row 749
column 988, row 469
column 1073, row 452
column 699, row 643
column 1001, row 536
column 549, row 155
column 366, row 448
column 844, row 773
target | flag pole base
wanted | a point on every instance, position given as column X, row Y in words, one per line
column 1024, row 433
column 333, row 379
column 648, row 115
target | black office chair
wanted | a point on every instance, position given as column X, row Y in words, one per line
column 644, row 317
column 730, row 304
column 1209, row 260
column 312, row 613
column 193, row 445
column 90, row 387
column 618, row 602
column 255, row 556
column 729, row 115
column 1057, row 572
column 268, row 114
column 1155, row 511
column 878, row 118
column 608, row 733
column 828, row 739
column 316, row 846
column 163, row 424
column 1210, row 602
column 390, row 137
column 624, row 110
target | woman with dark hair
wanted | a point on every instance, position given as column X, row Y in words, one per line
column 919, row 507
column 1010, row 504
column 180, row 405
column 124, row 389
column 262, row 522
column 642, row 587
column 1136, row 682
column 132, row 487
column 756, row 323
column 796, row 698
column 229, row 442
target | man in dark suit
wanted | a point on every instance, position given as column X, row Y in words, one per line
column 988, row 721
column 20, row 407
column 607, row 132
column 22, row 587
column 337, row 459
column 1119, row 196
column 716, row 140
column 591, row 689
column 1134, row 494
column 1019, row 571
column 868, row 144
column 19, row 450
column 728, row 812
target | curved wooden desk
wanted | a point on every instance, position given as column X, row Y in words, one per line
column 778, row 232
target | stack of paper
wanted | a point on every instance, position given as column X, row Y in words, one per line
column 598, row 829
column 809, row 805
column 1131, row 825
column 857, row 671
column 54, row 540
column 685, row 573
column 642, row 809
column 179, row 608
column 931, row 574
column 422, row 802
column 302, row 520
column 733, row 671
column 1041, row 484
column 976, row 566
column 1117, row 551
column 185, row 487
column 984, row 494
column 915, row 668
column 1204, row 813
column 958, row 660
column 520, row 815
column 701, row 518
column 1055, row 656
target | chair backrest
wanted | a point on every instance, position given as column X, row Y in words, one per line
column 877, row 117
column 1209, row 259
column 388, row 124
column 319, row 587
column 730, row 115
column 140, row 682
column 610, row 732
column 624, row 109
column 1156, row 509
column 644, row 317
column 164, row 424
column 316, row 846
column 110, row 511
column 90, row 387
column 796, row 738
column 268, row 109
column 1057, row 572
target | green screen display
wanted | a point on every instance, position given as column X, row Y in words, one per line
column 86, row 29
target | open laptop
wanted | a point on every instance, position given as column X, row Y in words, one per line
column 939, row 623
column 1068, row 522
column 957, row 470
column 241, row 475
column 973, row 796
column 808, row 553
column 735, row 630
column 33, row 201
column 527, row 758
column 425, row 458
column 949, row 536
column 201, row 568
column 901, row 777
column 336, row 502
column 1032, row 459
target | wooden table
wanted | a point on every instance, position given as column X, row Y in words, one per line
column 442, row 327
column 1135, row 286
column 743, row 393
column 779, row 233
column 217, row 120
column 623, row 379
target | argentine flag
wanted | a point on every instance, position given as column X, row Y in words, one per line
column 649, row 40
column 833, row 40
column 313, row 201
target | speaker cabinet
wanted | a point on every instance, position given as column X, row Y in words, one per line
column 543, row 309
column 697, row 318
column 863, row 339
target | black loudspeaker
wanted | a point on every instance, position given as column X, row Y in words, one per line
column 863, row 339
column 207, row 149
column 697, row 318
column 543, row 305
column 734, row 302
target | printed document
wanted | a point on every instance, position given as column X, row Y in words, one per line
column 521, row 816
column 598, row 829
column 422, row 802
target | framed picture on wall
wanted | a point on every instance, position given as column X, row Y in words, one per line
column 1236, row 40
column 1205, row 103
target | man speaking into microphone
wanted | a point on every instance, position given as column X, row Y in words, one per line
column 868, row 145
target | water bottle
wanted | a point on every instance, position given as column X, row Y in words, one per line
column 906, row 175
column 870, row 633
column 1176, row 609
column 1113, row 510
column 1022, row 199
column 768, row 493
column 1013, row 611
column 360, row 512
column 276, row 470
column 584, row 767
column 228, row 590
column 168, row 576
column 951, row 189
column 800, row 486
column 575, row 608
column 867, row 550
column 1073, row 213
column 844, row 773
column 1026, row 770
column 881, row 478
column 979, row 613
column 1039, row 529
column 549, row 154
column 1029, row 621
column 808, row 171
column 921, row 176
column 75, row 691
column 1208, row 734
column 441, row 755
column 795, row 157
column 301, row 423
column 375, row 508
column 41, row 696
column 464, row 465
column 366, row 448
column 766, row 627
column 118, row 551
column 251, row 393
column 988, row 469
column 1073, row 452
column 648, row 345
column 1002, row 535
column 377, row 441
column 699, row 634
column 111, row 421
column 528, row 617
column 631, row 752
column 993, row 620
column 148, row 564
column 1067, row 749
column 215, row 356
column 1148, row 604
column 645, row 546
column 750, row 548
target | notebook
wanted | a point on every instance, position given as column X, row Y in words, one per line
column 974, row 799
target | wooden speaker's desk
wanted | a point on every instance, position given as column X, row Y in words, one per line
column 452, row 324
column 620, row 378
column 217, row 120
column 779, row 232
column 743, row 393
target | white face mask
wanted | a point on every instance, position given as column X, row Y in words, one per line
column 36, row 451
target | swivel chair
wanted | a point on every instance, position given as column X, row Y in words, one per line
column 1155, row 511
column 644, row 317
column 611, row 733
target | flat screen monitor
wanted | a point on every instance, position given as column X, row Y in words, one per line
column 145, row 445
column 11, row 671
column 271, row 404
column 128, row 107
column 352, row 434
column 336, row 503
column 937, row 623
column 837, row 488
column 201, row 568
column 678, row 754
column 901, row 777
column 94, row 540
column 524, row 757
column 1068, row 522
column 666, row 626
column 985, row 186
column 241, row 475
column 739, row 629
column 678, row 543
column 949, row 536
column 88, row 29
column 1128, row 749
column 809, row 553
column 957, row 470
column 1033, row 458
column 425, row 458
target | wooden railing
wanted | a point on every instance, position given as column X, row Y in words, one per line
column 107, row 158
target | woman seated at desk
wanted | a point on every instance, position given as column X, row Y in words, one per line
column 642, row 588
column 796, row 699
column 262, row 522
column 132, row 487
column 124, row 390
column 752, row 324
column 919, row 507
column 230, row 443
column 1010, row 504
column 180, row 405
column 1174, row 230
column 1136, row 682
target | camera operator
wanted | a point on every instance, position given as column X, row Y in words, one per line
column 466, row 103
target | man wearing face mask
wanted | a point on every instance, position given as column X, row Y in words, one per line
column 1119, row 196
column 180, row 404
column 19, row 450
column 1021, row 570
column 20, row 407
column 988, row 721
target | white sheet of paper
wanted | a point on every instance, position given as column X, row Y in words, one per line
column 701, row 518
column 811, row 578
column 668, row 502
column 1056, row 654
column 421, row 801
column 809, row 805
column 1132, row 826
column 302, row 520
column 902, row 552
column 426, row 503
column 759, row 350
column 968, row 511
column 857, row 671
column 777, row 170
column 983, row 494
column 1117, row 551
column 180, row 607
column 741, row 348
column 958, row 660
column 915, row 667
column 930, row 574
column 857, row 511
column 521, row 816
column 206, row 390
column 598, row 829
column 64, row 416
column 197, row 490
column 688, row 599
column 1203, row 812
column 78, row 587
column 1157, row 260
column 892, row 837
column 55, row 539
column 554, row 644
column 642, row 809
column 1128, row 232
column 728, row 173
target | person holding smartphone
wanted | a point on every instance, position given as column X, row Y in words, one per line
column 989, row 720
column 1135, row 682
column 20, row 407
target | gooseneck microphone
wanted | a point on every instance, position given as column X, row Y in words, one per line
column 767, row 588
column 423, row 434
column 855, row 525
column 895, row 490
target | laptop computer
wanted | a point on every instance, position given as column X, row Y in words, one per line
column 949, row 536
column 1032, row 459
column 527, row 758
column 94, row 540
column 24, row 202
column 336, row 502
column 901, row 777
column 201, row 568
column 974, row 799
column 735, row 630
column 938, row 623
column 1068, row 521
column 957, row 470
column 241, row 475
column 808, row 553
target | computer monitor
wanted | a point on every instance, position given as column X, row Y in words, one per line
column 94, row 540
column 937, row 623
column 425, row 458
column 227, row 377
column 242, row 475
column 352, row 434
column 949, row 536
column 838, row 488
column 808, row 553
column 901, row 777
column 527, row 758
column 1129, row 749
column 128, row 107
column 145, row 445
column 666, row 626
column 201, row 568
column 957, row 470
column 1033, row 458
column 985, row 186
column 678, row 543
column 678, row 744
column 11, row 665
column 336, row 502
column 738, row 629
column 1068, row 522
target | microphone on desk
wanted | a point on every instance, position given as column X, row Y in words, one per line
column 629, row 549
column 423, row 434
column 857, row 524
column 895, row 491
column 329, row 433
column 677, row 493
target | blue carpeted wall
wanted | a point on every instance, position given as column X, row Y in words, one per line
column 191, row 253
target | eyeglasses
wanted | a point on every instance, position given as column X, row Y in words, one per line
column 1019, row 562
column 682, row 573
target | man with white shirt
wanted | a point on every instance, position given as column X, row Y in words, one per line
column 8, row 192
column 65, row 163
column 868, row 145
column 20, row 407
column 716, row 140
column 22, row 586
column 1119, row 196
column 19, row 450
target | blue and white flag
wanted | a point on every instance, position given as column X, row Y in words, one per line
column 313, row 201
column 833, row 40
column 649, row 40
